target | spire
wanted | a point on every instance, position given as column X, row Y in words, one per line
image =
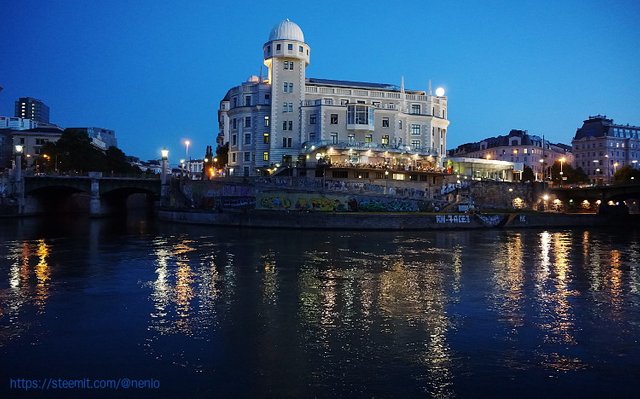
column 430, row 92
column 402, row 94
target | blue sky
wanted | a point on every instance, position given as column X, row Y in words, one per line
column 155, row 71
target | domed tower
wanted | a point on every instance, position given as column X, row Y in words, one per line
column 286, row 56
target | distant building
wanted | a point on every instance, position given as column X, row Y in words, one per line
column 601, row 147
column 287, row 119
column 101, row 138
column 518, row 147
column 32, row 108
column 17, row 123
column 32, row 141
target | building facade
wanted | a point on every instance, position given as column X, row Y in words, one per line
column 101, row 138
column 287, row 119
column 32, row 141
column 17, row 123
column 521, row 148
column 32, row 108
column 601, row 147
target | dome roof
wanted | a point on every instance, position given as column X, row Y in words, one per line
column 286, row 30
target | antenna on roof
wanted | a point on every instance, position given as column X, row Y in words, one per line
column 430, row 93
column 261, row 72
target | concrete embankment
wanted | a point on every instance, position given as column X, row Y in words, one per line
column 381, row 221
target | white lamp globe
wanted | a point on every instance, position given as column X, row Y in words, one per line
column 439, row 92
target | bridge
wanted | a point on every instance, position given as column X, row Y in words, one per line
column 97, row 194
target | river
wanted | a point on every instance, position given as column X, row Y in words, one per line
column 207, row 312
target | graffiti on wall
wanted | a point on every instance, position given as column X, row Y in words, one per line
column 333, row 203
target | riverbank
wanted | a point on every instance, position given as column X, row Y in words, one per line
column 386, row 221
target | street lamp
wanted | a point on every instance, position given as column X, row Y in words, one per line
column 187, row 143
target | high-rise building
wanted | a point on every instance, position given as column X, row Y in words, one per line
column 601, row 147
column 287, row 118
column 32, row 108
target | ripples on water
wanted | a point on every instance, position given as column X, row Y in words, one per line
column 295, row 313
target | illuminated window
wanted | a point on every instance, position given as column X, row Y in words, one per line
column 265, row 138
column 265, row 156
column 266, row 121
column 415, row 144
column 385, row 139
column 368, row 138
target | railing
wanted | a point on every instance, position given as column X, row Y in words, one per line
column 311, row 146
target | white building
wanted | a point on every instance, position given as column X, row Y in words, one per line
column 601, row 147
column 17, row 123
column 288, row 119
column 520, row 148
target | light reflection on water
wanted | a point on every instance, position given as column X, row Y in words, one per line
column 352, row 313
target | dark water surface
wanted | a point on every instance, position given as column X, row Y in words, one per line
column 224, row 312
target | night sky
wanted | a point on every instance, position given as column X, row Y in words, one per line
column 155, row 71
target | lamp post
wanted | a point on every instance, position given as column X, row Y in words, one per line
column 164, row 188
column 561, row 172
column 386, row 182
column 19, row 149
column 187, row 143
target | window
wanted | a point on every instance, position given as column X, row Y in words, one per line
column 290, row 47
column 234, row 123
column 247, row 156
column 312, row 119
column 268, row 49
column 278, row 47
column 352, row 138
column 344, row 102
column 265, row 156
column 284, row 125
column 368, row 138
column 267, row 121
column 415, row 108
column 247, row 121
column 233, row 157
column 235, row 102
column 300, row 49
column 288, row 65
column 247, row 138
column 267, row 98
column 385, row 122
column 385, row 140
column 415, row 129
column 287, row 142
column 265, row 138
column 400, row 125
column 415, row 144
column 376, row 104
column 289, row 107
column 234, row 140
column 288, row 87
column 290, row 125
column 334, row 119
column 359, row 115
column 334, row 138
column 247, row 101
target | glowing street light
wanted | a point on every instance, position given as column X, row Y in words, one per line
column 187, row 143
column 615, row 166
column 19, row 149
column 440, row 91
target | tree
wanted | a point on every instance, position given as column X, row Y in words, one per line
column 77, row 154
column 222, row 153
column 572, row 175
column 527, row 174
column 117, row 162
column 626, row 175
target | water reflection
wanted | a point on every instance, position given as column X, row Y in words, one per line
column 344, row 314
